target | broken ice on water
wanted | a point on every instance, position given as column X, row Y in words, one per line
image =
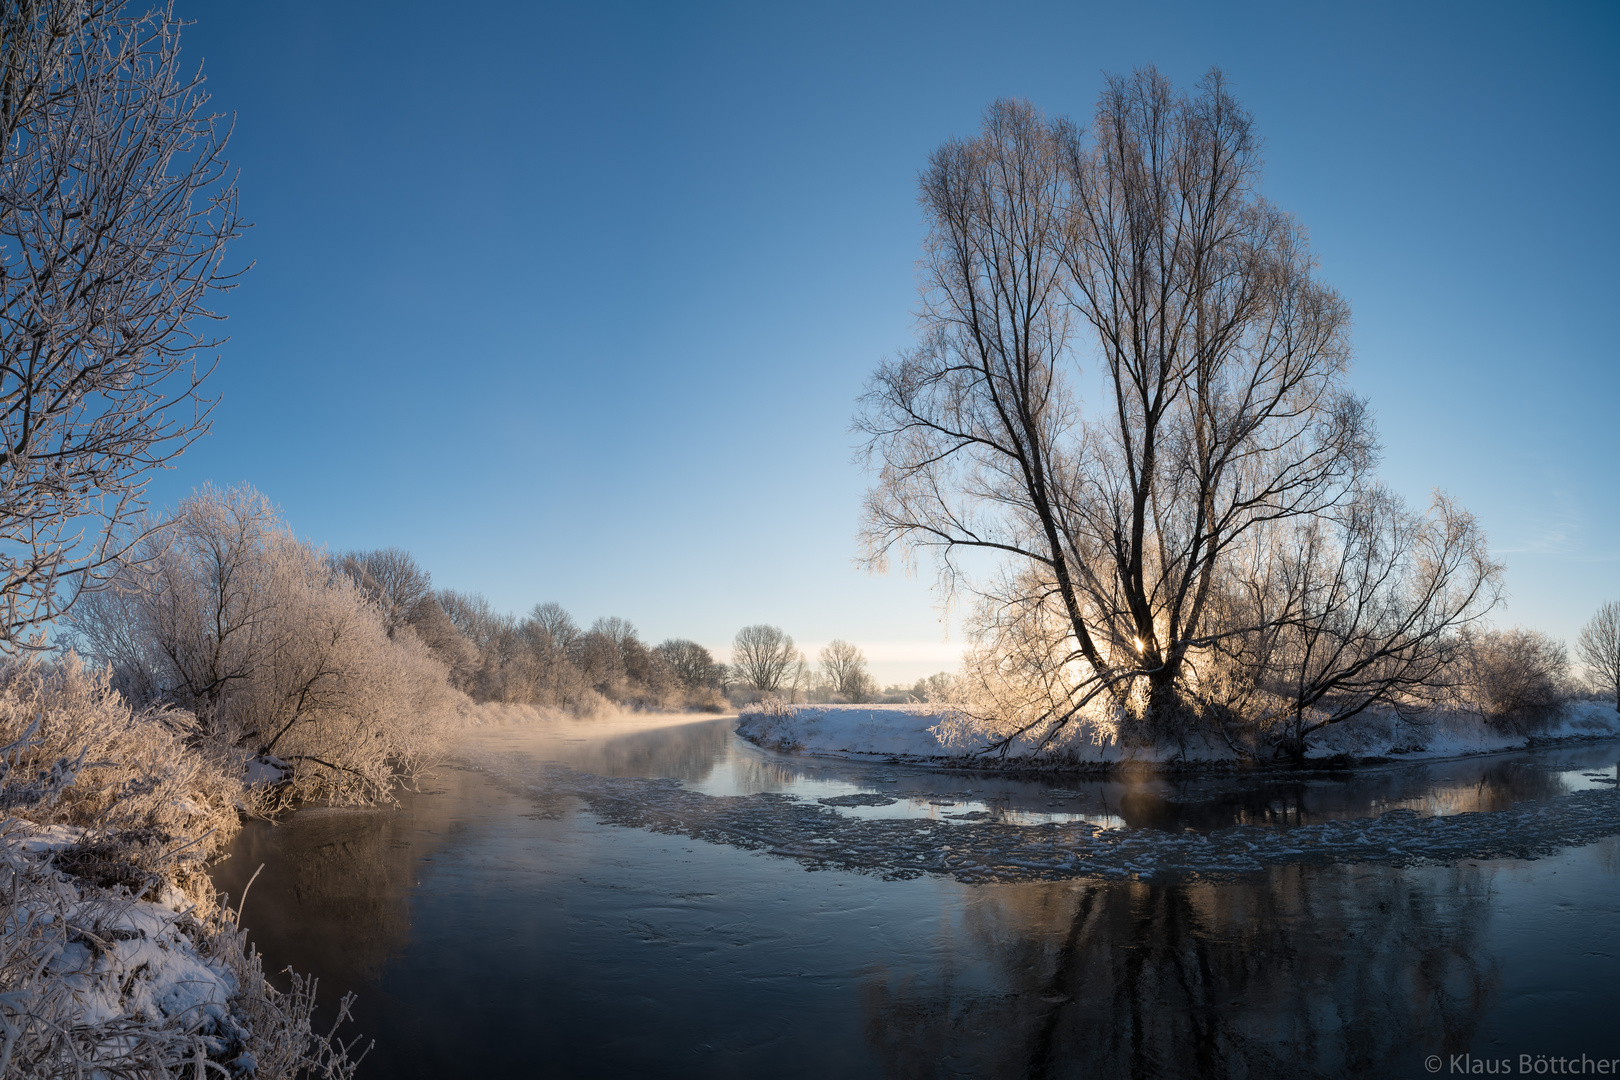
column 974, row 846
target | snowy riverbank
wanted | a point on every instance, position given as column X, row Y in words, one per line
column 116, row 956
column 939, row 734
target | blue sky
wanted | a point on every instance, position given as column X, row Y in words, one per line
column 573, row 301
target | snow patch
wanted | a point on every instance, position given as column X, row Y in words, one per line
column 266, row 769
column 942, row 732
column 132, row 959
column 854, row 729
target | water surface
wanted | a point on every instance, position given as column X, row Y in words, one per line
column 498, row 923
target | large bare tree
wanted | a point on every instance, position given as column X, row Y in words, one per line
column 115, row 206
column 1222, row 417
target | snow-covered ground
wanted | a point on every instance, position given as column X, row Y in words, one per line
column 116, row 959
column 127, row 976
column 935, row 732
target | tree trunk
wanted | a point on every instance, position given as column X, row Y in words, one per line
column 1165, row 710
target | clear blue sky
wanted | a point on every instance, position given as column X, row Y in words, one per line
column 574, row 301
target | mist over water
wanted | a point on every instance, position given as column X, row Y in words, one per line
column 498, row 923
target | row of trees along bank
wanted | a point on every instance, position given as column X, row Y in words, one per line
column 351, row 669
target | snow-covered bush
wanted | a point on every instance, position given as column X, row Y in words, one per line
column 149, row 809
column 115, row 959
column 95, row 983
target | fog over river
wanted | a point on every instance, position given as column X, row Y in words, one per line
column 655, row 896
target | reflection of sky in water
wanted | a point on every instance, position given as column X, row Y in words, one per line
column 1589, row 779
column 744, row 769
column 1499, row 787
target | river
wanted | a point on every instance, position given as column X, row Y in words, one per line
column 657, row 897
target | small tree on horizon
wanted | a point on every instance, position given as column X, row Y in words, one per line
column 843, row 665
column 1598, row 648
column 764, row 657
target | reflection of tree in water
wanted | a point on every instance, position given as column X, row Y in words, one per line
column 686, row 752
column 1306, row 971
column 1501, row 784
column 1201, row 804
column 335, row 897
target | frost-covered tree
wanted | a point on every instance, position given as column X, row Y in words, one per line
column 693, row 665
column 433, row 627
column 394, row 580
column 1514, row 678
column 938, row 687
column 1353, row 609
column 115, row 207
column 1223, row 417
column 599, row 654
column 471, row 614
column 225, row 613
column 402, row 591
column 1598, row 649
column 551, row 618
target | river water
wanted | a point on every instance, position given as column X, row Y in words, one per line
column 656, row 897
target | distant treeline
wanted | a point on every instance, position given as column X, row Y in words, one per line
column 545, row 658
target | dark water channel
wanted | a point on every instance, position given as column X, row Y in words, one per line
column 498, row 924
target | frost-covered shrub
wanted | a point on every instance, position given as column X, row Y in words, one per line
column 115, row 959
column 275, row 650
column 1515, row 679
column 774, row 723
column 152, row 809
column 1009, row 700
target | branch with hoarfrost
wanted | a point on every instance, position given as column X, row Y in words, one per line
column 1367, row 607
column 116, row 203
